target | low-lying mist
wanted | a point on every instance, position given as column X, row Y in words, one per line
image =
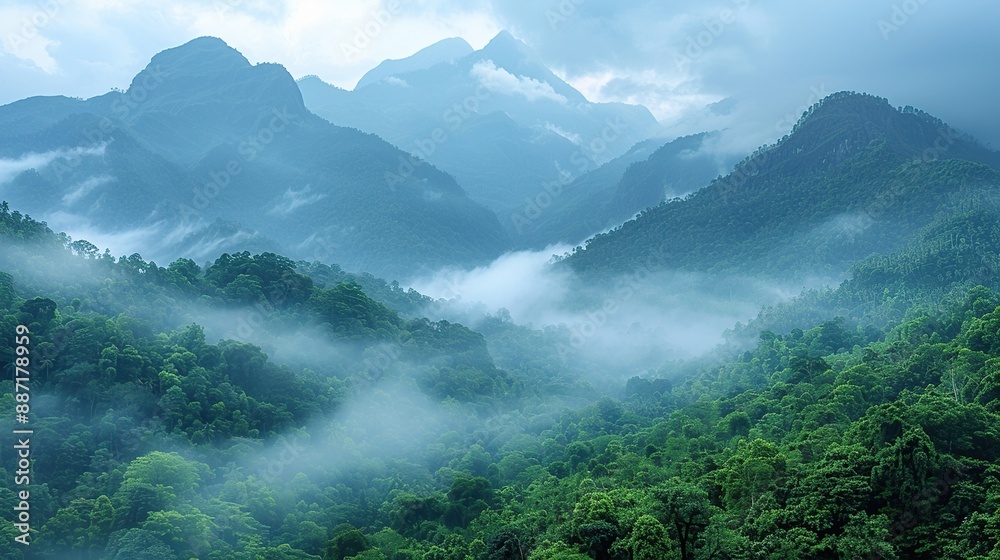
column 636, row 320
column 387, row 421
column 163, row 240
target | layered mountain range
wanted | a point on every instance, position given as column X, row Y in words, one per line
column 205, row 152
column 497, row 119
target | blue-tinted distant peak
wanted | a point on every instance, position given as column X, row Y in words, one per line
column 444, row 51
column 507, row 47
column 204, row 58
column 204, row 52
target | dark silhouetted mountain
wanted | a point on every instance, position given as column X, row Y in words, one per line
column 497, row 119
column 202, row 135
column 855, row 177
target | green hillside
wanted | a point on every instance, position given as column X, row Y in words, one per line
column 855, row 177
column 255, row 407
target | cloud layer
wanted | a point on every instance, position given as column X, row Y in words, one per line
column 769, row 57
column 498, row 80
column 641, row 318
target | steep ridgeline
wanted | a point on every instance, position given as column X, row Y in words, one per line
column 645, row 176
column 855, row 177
column 497, row 119
column 445, row 51
column 205, row 152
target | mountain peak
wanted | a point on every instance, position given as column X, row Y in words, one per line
column 210, row 87
column 851, row 105
column 446, row 50
column 505, row 45
column 204, row 53
column 207, row 66
column 505, row 36
column 513, row 56
column 206, row 42
column 201, row 59
column 846, row 122
column 856, row 176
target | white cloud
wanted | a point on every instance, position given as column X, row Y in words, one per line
column 572, row 137
column 503, row 82
column 126, row 242
column 672, row 314
column 10, row 168
column 23, row 29
column 845, row 225
column 34, row 50
column 84, row 188
column 680, row 56
column 519, row 282
column 160, row 241
column 293, row 200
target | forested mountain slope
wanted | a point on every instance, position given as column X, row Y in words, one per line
column 258, row 408
column 855, row 177
column 847, row 439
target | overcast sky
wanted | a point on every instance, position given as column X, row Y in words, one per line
column 772, row 58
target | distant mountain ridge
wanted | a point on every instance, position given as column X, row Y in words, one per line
column 651, row 172
column 497, row 119
column 201, row 135
column 446, row 50
column 855, row 177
